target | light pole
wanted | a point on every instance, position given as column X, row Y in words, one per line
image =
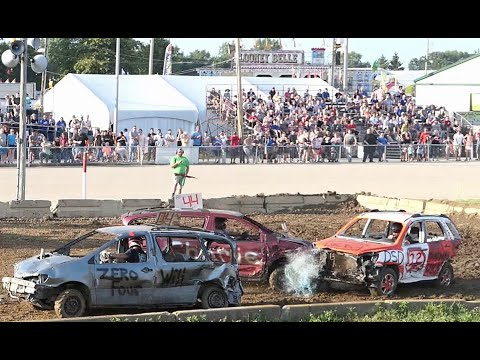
column 18, row 52
column 150, row 60
column 426, row 57
column 117, row 78
column 239, row 90
column 345, row 65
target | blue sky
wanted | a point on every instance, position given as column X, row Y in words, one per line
column 371, row 48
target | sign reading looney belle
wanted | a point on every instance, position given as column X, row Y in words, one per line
column 277, row 57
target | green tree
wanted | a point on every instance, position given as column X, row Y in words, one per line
column 267, row 44
column 159, row 47
column 395, row 63
column 383, row 62
column 224, row 59
column 355, row 61
column 438, row 60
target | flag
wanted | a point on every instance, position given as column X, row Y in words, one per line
column 375, row 65
column 167, row 62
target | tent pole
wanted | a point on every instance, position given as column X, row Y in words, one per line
column 117, row 76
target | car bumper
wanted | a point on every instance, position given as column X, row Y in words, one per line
column 18, row 287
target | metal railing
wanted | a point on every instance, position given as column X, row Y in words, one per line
column 252, row 154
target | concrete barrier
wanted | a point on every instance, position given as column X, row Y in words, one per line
column 373, row 202
column 134, row 204
column 245, row 204
column 4, row 209
column 272, row 313
column 471, row 305
column 416, row 305
column 29, row 208
column 242, row 313
column 436, row 208
column 303, row 312
column 87, row 208
column 145, row 317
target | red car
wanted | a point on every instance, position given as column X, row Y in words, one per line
column 380, row 249
column 262, row 253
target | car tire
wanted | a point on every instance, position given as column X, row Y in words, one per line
column 386, row 284
column 277, row 279
column 70, row 303
column 445, row 276
column 214, row 297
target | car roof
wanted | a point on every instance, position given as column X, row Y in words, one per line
column 119, row 230
column 212, row 211
column 397, row 216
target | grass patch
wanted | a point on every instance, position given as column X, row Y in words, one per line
column 403, row 313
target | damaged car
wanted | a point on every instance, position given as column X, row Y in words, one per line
column 380, row 249
column 262, row 253
column 173, row 267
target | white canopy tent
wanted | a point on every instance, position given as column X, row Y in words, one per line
column 156, row 101
column 145, row 101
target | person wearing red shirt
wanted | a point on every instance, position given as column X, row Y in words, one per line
column 234, row 145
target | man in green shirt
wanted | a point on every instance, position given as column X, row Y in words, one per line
column 180, row 166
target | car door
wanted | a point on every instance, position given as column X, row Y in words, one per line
column 121, row 283
column 415, row 254
column 178, row 278
column 440, row 246
column 251, row 247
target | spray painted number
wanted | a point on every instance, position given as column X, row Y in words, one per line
column 415, row 259
column 117, row 274
column 124, row 290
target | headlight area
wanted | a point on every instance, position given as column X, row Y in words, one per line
column 39, row 279
column 367, row 264
column 42, row 278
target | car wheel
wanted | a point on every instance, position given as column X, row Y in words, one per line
column 214, row 297
column 386, row 283
column 70, row 303
column 445, row 276
column 277, row 279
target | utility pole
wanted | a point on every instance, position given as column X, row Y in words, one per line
column 22, row 145
column 44, row 77
column 332, row 70
column 150, row 62
column 426, row 57
column 239, row 91
column 345, row 65
column 117, row 76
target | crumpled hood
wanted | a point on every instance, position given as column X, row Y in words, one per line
column 294, row 242
column 354, row 247
column 34, row 266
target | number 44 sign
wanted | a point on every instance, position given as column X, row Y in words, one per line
column 188, row 201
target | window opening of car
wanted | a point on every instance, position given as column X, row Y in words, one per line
column 257, row 224
column 414, row 233
column 180, row 249
column 453, row 229
column 240, row 230
column 434, row 231
column 375, row 230
column 85, row 244
column 218, row 251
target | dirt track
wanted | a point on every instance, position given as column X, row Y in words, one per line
column 21, row 239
